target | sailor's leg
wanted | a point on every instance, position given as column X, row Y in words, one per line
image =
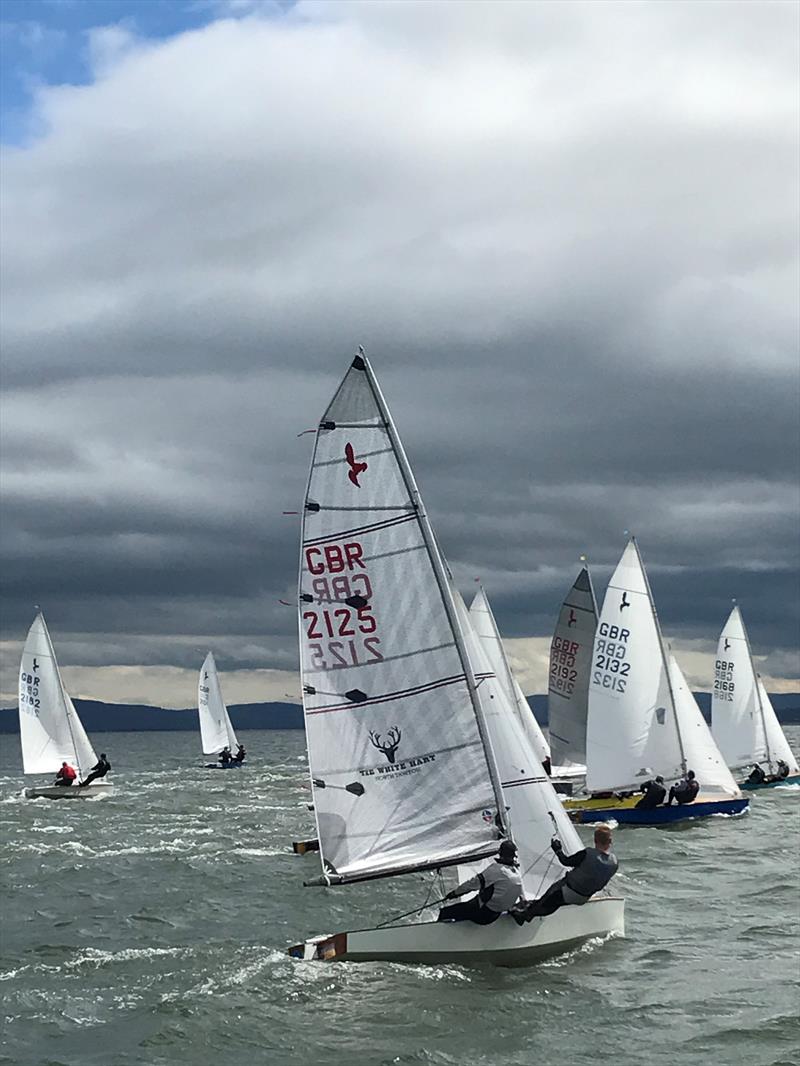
column 460, row 912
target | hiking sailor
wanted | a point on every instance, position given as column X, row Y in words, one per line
column 498, row 888
column 592, row 869
column 100, row 769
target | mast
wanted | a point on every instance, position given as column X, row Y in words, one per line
column 663, row 655
column 444, row 587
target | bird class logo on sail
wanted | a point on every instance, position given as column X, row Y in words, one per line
column 356, row 468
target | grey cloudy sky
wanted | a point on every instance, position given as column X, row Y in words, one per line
column 567, row 235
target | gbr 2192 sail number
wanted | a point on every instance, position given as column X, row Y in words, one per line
column 610, row 668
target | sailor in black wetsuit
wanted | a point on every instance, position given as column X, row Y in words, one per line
column 654, row 795
column 225, row 756
column 100, row 769
column 592, row 869
column 499, row 887
column 757, row 775
column 783, row 770
column 685, row 791
column 240, row 755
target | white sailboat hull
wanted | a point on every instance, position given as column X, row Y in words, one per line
column 59, row 792
column 504, row 943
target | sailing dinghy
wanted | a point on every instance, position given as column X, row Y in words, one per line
column 568, row 685
column 403, row 770
column 50, row 730
column 216, row 731
column 743, row 720
column 643, row 720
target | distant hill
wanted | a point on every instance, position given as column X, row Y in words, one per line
column 125, row 717
column 100, row 717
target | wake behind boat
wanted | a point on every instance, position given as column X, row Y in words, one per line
column 743, row 719
column 400, row 741
column 51, row 733
column 643, row 720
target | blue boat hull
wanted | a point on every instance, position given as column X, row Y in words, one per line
column 219, row 766
column 752, row 786
column 659, row 815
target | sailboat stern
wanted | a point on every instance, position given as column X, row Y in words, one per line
column 503, row 943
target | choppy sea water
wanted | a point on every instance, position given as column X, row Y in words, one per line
column 150, row 928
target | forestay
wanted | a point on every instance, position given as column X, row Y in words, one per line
column 701, row 753
column 631, row 730
column 216, row 731
column 402, row 773
column 49, row 727
column 483, row 622
column 535, row 811
column 570, row 667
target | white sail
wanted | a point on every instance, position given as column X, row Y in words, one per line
column 216, row 731
column 570, row 668
column 700, row 752
column 776, row 739
column 483, row 622
column 49, row 728
column 743, row 720
column 402, row 770
column 631, row 731
column 535, row 811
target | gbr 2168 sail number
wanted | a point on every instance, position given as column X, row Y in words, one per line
column 610, row 668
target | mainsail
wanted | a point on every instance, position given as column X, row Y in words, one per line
column 743, row 720
column 701, row 753
column 402, row 769
column 216, row 731
column 570, row 667
column 50, row 729
column 632, row 732
column 534, row 810
column 483, row 622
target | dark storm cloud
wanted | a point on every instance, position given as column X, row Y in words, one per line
column 579, row 294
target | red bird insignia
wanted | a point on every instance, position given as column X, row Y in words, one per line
column 355, row 468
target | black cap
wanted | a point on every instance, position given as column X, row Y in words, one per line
column 508, row 851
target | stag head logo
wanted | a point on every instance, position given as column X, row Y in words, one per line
column 391, row 746
column 356, row 468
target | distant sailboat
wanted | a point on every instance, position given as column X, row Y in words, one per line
column 216, row 731
column 49, row 727
column 400, row 746
column 568, row 686
column 482, row 620
column 743, row 719
column 643, row 719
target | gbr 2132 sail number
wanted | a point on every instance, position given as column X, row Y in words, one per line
column 610, row 668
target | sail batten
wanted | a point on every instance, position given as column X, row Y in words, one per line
column 402, row 770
